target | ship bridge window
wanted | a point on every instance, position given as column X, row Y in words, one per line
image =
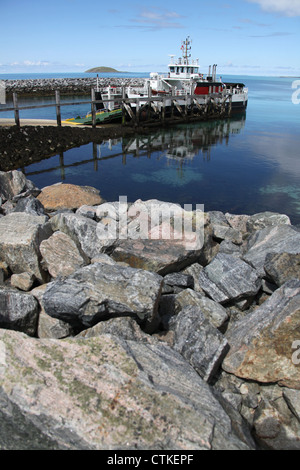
column 172, row 69
column 177, row 70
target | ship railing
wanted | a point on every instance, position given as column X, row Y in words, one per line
column 137, row 90
column 181, row 92
column 112, row 90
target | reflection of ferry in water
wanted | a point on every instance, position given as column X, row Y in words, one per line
column 190, row 87
column 179, row 144
column 183, row 142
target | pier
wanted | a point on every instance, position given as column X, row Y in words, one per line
column 151, row 110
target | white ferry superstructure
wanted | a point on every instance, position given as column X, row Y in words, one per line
column 184, row 79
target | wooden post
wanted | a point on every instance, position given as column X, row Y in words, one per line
column 164, row 109
column 206, row 104
column 16, row 109
column 57, row 104
column 95, row 156
column 149, row 101
column 230, row 105
column 137, row 112
column 172, row 101
column 123, row 105
column 62, row 166
column 93, row 108
column 186, row 106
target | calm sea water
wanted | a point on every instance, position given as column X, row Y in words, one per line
column 244, row 165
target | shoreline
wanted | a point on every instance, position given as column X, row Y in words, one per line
column 22, row 146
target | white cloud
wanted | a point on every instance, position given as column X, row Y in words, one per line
column 284, row 7
column 157, row 18
column 271, row 35
column 30, row 63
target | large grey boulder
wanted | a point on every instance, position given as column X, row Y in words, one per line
column 292, row 397
column 228, row 278
column 61, row 255
column 275, row 424
column 13, row 183
column 49, row 327
column 22, row 281
column 272, row 239
column 201, row 344
column 261, row 344
column 213, row 311
column 122, row 327
column 31, row 205
column 164, row 238
column 280, row 267
column 222, row 230
column 266, row 219
column 18, row 311
column 20, row 237
column 238, row 222
column 161, row 256
column 101, row 291
column 194, row 270
column 105, row 393
column 180, row 280
column 82, row 230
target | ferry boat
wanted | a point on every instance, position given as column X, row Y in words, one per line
column 184, row 81
column 184, row 78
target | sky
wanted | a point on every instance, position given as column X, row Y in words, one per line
column 243, row 37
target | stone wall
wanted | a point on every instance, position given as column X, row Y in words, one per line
column 163, row 342
column 66, row 86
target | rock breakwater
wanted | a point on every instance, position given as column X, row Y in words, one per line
column 118, row 331
column 66, row 86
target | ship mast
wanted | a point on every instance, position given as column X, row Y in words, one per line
column 186, row 48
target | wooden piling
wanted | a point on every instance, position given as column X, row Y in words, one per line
column 123, row 105
column 163, row 110
column 57, row 105
column 16, row 109
column 93, row 110
column 137, row 112
column 230, row 105
column 62, row 166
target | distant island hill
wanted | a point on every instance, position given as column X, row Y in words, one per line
column 103, row 70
